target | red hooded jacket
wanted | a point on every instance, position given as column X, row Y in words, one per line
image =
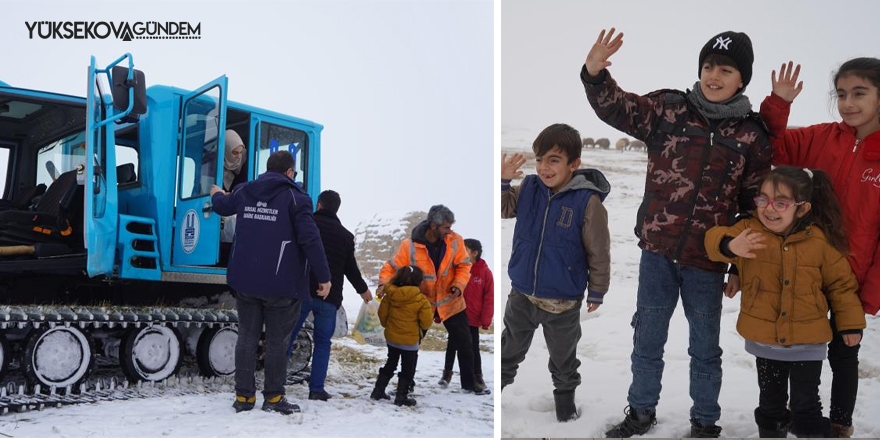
column 479, row 295
column 854, row 168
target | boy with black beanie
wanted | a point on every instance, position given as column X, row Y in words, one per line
column 707, row 154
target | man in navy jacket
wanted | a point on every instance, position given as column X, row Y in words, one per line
column 275, row 248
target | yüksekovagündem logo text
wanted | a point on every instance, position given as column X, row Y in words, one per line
column 125, row 31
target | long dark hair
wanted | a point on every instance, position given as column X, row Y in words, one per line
column 408, row 276
column 819, row 192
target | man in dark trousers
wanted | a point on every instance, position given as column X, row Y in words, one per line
column 276, row 243
column 339, row 248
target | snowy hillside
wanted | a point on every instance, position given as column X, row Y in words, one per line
column 527, row 408
column 377, row 239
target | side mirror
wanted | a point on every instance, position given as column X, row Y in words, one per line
column 120, row 87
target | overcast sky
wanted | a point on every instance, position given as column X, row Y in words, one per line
column 404, row 89
column 544, row 44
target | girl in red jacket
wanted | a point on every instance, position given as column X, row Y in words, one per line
column 479, row 298
column 849, row 152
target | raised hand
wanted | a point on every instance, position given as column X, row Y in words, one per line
column 788, row 86
column 510, row 167
column 746, row 242
column 605, row 46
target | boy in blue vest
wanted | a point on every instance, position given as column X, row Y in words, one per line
column 561, row 250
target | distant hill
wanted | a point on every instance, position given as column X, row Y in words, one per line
column 377, row 239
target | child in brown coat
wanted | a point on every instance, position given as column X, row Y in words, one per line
column 792, row 268
column 406, row 314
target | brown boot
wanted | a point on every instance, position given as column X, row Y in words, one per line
column 478, row 379
column 840, row 431
column 445, row 379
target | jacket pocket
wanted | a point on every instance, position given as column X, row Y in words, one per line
column 749, row 293
column 808, row 305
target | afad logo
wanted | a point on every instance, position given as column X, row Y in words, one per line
column 101, row 30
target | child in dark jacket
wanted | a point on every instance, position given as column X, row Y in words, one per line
column 561, row 250
column 707, row 153
column 406, row 315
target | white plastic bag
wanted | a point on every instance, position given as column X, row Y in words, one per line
column 367, row 328
column 341, row 329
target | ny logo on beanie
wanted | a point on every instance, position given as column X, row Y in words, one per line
column 735, row 45
column 721, row 43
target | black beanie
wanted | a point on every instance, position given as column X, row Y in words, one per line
column 735, row 45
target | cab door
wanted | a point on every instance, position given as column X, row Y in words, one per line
column 101, row 202
column 196, row 237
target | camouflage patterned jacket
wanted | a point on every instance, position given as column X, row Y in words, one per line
column 700, row 175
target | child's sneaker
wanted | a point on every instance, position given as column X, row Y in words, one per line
column 635, row 423
column 243, row 403
column 565, row 408
column 704, row 431
column 280, row 405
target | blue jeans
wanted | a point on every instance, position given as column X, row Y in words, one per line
column 325, row 324
column 661, row 282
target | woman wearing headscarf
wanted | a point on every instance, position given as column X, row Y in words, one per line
column 233, row 161
column 234, row 173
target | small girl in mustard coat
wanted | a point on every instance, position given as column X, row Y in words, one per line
column 792, row 269
column 406, row 314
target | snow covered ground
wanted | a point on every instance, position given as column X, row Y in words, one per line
column 351, row 413
column 527, row 408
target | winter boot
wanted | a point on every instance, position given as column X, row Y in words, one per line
column 381, row 384
column 636, row 422
column 841, row 431
column 478, row 379
column 811, row 428
column 704, row 431
column 401, row 398
column 280, row 405
column 445, row 379
column 565, row 407
column 243, row 403
column 769, row 427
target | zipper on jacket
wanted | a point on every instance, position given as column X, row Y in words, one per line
column 848, row 162
column 697, row 187
column 540, row 245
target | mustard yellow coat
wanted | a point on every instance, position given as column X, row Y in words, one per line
column 787, row 287
column 404, row 312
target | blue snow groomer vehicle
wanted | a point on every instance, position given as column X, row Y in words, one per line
column 109, row 249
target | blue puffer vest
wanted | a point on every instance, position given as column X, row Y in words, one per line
column 548, row 258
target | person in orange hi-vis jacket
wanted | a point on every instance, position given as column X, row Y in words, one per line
column 442, row 256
